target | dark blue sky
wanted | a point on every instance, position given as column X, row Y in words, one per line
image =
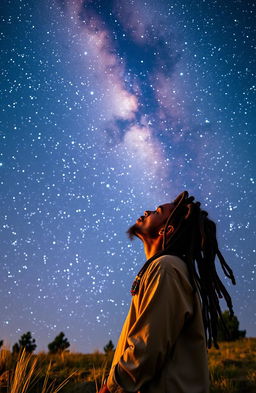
column 108, row 109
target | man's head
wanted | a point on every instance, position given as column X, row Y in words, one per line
column 152, row 224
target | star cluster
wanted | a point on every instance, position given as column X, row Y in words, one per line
column 109, row 108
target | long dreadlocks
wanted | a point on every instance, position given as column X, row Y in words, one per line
column 194, row 240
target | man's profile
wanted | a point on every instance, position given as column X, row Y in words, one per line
column 175, row 303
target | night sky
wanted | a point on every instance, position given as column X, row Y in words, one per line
column 109, row 108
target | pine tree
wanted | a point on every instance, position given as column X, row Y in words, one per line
column 59, row 344
column 109, row 347
column 25, row 342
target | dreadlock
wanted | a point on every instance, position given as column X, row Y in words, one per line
column 194, row 240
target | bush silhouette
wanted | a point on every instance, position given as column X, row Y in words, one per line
column 232, row 325
column 59, row 344
column 25, row 342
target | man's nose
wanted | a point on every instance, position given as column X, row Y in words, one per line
column 147, row 213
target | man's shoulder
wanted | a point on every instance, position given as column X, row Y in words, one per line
column 171, row 264
column 168, row 269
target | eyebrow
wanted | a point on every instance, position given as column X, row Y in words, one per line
column 160, row 207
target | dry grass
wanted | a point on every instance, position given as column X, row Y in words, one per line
column 23, row 375
column 251, row 376
column 99, row 375
column 19, row 374
column 232, row 370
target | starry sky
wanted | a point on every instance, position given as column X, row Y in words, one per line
column 109, row 108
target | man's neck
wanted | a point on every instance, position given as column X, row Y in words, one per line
column 152, row 246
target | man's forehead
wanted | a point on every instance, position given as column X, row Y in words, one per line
column 167, row 206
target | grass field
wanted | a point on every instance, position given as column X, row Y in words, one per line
column 233, row 367
column 232, row 370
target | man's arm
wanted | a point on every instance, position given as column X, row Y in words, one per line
column 165, row 302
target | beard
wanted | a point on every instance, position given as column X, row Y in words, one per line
column 133, row 231
column 136, row 230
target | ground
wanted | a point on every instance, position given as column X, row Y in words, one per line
column 232, row 370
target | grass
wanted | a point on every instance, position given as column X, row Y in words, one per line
column 232, row 370
column 20, row 374
column 233, row 367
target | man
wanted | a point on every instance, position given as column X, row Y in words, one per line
column 175, row 307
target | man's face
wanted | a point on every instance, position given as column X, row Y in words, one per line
column 148, row 225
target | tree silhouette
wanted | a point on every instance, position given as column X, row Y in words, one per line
column 25, row 342
column 1, row 343
column 59, row 344
column 232, row 325
column 109, row 347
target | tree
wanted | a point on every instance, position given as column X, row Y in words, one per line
column 1, row 343
column 59, row 344
column 232, row 325
column 109, row 347
column 25, row 342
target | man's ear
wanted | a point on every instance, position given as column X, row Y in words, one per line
column 169, row 230
column 161, row 231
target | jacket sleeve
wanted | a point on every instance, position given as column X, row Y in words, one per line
column 165, row 303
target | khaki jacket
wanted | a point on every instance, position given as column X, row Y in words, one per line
column 162, row 347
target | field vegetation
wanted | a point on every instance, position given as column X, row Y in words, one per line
column 232, row 370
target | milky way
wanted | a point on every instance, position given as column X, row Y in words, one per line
column 109, row 108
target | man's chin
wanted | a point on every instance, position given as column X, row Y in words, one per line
column 133, row 231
